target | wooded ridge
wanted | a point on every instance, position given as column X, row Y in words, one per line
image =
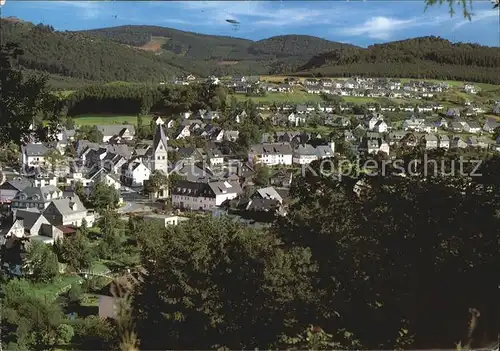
column 153, row 54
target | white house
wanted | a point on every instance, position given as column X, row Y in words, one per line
column 165, row 220
column 381, row 126
column 203, row 195
column 444, row 141
column 136, row 173
column 124, row 131
column 472, row 127
column 33, row 155
column 271, row 154
column 413, row 123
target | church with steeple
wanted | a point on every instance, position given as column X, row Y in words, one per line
column 160, row 153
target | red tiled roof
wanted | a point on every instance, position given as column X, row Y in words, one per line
column 67, row 229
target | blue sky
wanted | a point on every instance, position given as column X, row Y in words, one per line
column 357, row 22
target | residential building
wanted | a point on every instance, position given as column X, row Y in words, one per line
column 123, row 131
column 136, row 173
column 165, row 220
column 444, row 141
column 10, row 188
column 68, row 211
column 490, row 125
column 430, row 141
column 36, row 197
column 203, row 195
column 33, row 155
column 472, row 127
column 271, row 154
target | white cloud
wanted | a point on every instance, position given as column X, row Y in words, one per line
column 255, row 13
column 477, row 17
column 380, row 27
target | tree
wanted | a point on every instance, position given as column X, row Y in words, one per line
column 94, row 333
column 90, row 133
column 10, row 155
column 111, row 227
column 29, row 321
column 24, row 99
column 54, row 158
column 77, row 252
column 104, row 197
column 80, row 192
column 401, row 250
column 262, row 175
column 232, row 286
column 157, row 180
column 41, row 263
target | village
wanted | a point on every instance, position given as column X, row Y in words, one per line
column 209, row 172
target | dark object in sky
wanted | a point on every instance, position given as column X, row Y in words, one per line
column 115, row 16
column 232, row 21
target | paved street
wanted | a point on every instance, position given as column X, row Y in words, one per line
column 134, row 201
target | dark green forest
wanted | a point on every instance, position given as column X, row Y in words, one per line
column 78, row 56
column 74, row 59
column 427, row 57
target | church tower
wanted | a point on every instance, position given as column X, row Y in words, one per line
column 160, row 155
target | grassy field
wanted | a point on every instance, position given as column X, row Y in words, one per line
column 105, row 119
column 294, row 97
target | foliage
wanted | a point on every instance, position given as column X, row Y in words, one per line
column 111, row 227
column 104, row 197
column 30, row 322
column 315, row 338
column 24, row 99
column 400, row 250
column 10, row 155
column 76, row 251
column 426, row 57
column 157, row 180
column 76, row 55
column 262, row 175
column 94, row 333
column 227, row 284
column 75, row 293
column 41, row 264
column 89, row 133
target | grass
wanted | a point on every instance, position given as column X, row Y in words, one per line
column 294, row 97
column 104, row 119
column 52, row 290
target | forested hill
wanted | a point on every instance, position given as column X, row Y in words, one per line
column 428, row 57
column 153, row 54
column 201, row 53
column 82, row 57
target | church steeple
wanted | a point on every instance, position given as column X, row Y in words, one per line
column 160, row 154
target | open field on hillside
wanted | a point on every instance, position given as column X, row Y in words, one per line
column 104, row 119
column 294, row 97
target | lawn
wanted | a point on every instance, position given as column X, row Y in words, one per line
column 52, row 290
column 104, row 119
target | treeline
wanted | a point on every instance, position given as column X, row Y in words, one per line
column 135, row 99
column 83, row 57
column 428, row 57
column 294, row 45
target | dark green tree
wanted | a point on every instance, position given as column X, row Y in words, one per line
column 41, row 263
column 104, row 197
column 232, row 286
column 24, row 99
